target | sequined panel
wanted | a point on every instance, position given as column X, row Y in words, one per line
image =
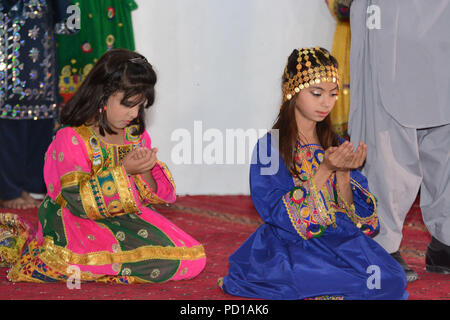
column 27, row 62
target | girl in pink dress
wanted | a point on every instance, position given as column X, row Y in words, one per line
column 102, row 178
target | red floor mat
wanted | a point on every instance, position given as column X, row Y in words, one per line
column 221, row 224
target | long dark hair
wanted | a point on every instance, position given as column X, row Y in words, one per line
column 118, row 70
column 285, row 121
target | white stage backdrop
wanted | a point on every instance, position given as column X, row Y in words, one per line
column 219, row 65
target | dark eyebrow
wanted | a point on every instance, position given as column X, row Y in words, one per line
column 315, row 87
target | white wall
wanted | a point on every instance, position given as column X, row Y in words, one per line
column 220, row 62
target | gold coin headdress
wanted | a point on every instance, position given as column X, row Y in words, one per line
column 306, row 74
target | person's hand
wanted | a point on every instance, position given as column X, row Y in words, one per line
column 140, row 160
column 343, row 158
column 359, row 156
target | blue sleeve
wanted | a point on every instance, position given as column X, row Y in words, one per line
column 365, row 204
column 364, row 211
column 269, row 182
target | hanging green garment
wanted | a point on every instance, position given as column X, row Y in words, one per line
column 105, row 24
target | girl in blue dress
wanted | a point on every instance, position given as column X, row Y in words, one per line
column 318, row 213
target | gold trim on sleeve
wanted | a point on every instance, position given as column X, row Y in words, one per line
column 146, row 193
column 72, row 178
column 124, row 188
column 88, row 201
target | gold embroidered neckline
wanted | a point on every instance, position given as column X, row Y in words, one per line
column 108, row 143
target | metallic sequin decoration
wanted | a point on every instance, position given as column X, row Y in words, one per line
column 33, row 33
column 143, row 233
column 28, row 87
column 33, row 76
column 115, row 248
column 184, row 271
column 155, row 273
column 115, row 267
column 126, row 272
column 304, row 79
column 120, row 236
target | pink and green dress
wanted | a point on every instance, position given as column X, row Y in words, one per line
column 100, row 220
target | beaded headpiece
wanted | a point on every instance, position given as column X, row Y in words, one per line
column 306, row 74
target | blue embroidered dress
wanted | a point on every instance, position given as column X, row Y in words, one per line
column 312, row 244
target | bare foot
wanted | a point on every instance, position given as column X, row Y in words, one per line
column 30, row 201
column 17, row 203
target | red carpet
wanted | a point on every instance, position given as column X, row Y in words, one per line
column 221, row 224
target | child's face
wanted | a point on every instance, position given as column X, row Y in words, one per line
column 118, row 115
column 317, row 101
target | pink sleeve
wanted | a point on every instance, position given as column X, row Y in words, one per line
column 166, row 190
column 66, row 154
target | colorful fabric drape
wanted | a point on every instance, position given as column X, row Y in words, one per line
column 15, row 233
column 99, row 219
column 105, row 24
column 340, row 10
column 312, row 244
column 28, row 71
